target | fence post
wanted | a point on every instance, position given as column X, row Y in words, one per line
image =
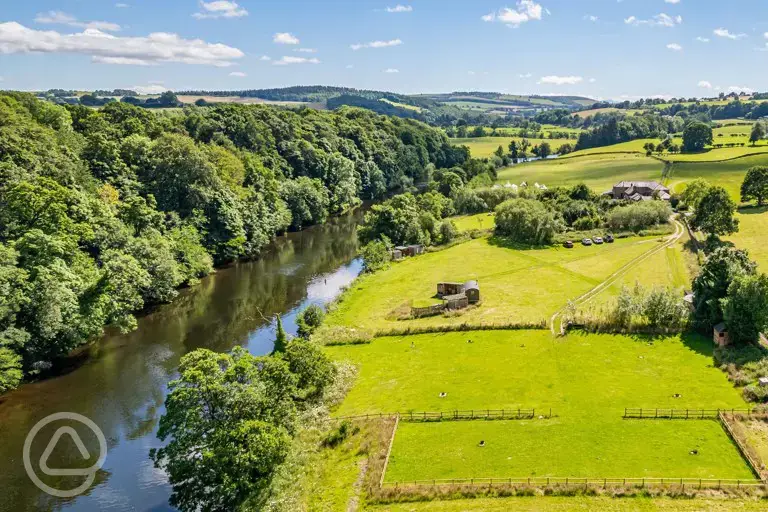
column 686, row 414
column 699, row 483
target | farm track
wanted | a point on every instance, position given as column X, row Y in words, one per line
column 679, row 231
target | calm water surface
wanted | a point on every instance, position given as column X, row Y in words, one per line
column 122, row 385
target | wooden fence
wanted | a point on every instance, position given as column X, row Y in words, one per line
column 758, row 467
column 682, row 414
column 545, row 482
column 456, row 415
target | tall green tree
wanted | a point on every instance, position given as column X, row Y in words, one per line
column 696, row 136
column 757, row 134
column 715, row 214
column 745, row 309
column 755, row 185
column 281, row 338
column 710, row 287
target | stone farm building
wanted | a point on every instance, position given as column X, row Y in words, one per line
column 451, row 291
column 639, row 191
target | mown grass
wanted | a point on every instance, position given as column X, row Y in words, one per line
column 586, row 380
column 599, row 172
column 481, row 221
column 483, row 147
column 728, row 174
column 753, row 234
column 517, row 285
column 577, row 503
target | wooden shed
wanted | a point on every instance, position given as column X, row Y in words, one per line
column 415, row 250
column 397, row 255
column 444, row 289
column 458, row 301
column 472, row 291
column 721, row 336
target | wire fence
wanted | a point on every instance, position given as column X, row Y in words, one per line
column 684, row 483
column 683, row 414
column 753, row 459
column 456, row 415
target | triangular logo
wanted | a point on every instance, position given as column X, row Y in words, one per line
column 52, row 445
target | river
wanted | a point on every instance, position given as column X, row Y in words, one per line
column 122, row 383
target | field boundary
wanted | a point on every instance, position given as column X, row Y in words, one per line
column 465, row 327
column 754, row 461
column 681, row 414
column 456, row 415
column 389, row 451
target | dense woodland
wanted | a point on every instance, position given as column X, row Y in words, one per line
column 106, row 212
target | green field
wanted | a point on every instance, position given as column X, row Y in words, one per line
column 578, row 503
column 471, row 222
column 587, row 380
column 753, row 234
column 599, row 172
column 483, row 147
column 728, row 174
column 517, row 285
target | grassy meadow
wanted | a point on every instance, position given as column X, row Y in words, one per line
column 472, row 222
column 587, row 380
column 728, row 174
column 753, row 234
column 518, row 285
column 599, row 172
column 483, row 147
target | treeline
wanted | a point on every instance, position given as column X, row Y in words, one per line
column 620, row 128
column 106, row 212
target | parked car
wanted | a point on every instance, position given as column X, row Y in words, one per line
column 598, row 240
column 568, row 245
column 586, row 242
column 609, row 239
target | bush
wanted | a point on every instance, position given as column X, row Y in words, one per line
column 448, row 231
column 468, row 201
column 755, row 393
column 375, row 255
column 639, row 216
column 340, row 434
column 527, row 221
column 309, row 320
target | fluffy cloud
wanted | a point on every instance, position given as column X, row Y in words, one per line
column 660, row 20
column 288, row 60
column 722, row 32
column 285, row 38
column 702, row 39
column 705, row 85
column 156, row 48
column 741, row 89
column 376, row 44
column 674, row 47
column 220, row 9
column 526, row 75
column 265, row 58
column 400, row 8
column 591, row 18
column 561, row 80
column 391, row 70
column 238, row 74
column 62, row 18
column 149, row 89
column 526, row 10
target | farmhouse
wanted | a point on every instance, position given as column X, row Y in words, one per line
column 639, row 191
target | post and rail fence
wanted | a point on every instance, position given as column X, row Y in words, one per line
column 683, row 414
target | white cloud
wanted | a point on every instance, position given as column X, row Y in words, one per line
column 526, row 75
column 62, row 18
column 400, row 8
column 660, row 20
column 702, row 39
column 705, row 85
column 722, row 32
column 527, row 10
column 591, row 17
column 305, row 50
column 265, row 58
column 121, row 6
column 674, row 47
column 377, row 44
column 741, row 89
column 220, row 9
column 149, row 89
column 158, row 47
column 285, row 38
column 672, row 1
column 349, row 66
column 391, row 70
column 288, row 60
column 470, row 72
column 238, row 74
column 592, row 80
column 561, row 80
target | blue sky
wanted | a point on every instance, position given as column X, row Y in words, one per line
column 600, row 48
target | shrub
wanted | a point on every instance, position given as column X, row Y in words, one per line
column 448, row 231
column 639, row 216
column 340, row 434
column 309, row 320
column 527, row 221
column 375, row 255
column 468, row 201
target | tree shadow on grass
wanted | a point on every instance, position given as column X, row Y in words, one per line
column 506, row 243
column 753, row 210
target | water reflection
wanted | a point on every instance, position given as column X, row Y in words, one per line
column 122, row 385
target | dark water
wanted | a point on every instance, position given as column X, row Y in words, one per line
column 122, row 385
